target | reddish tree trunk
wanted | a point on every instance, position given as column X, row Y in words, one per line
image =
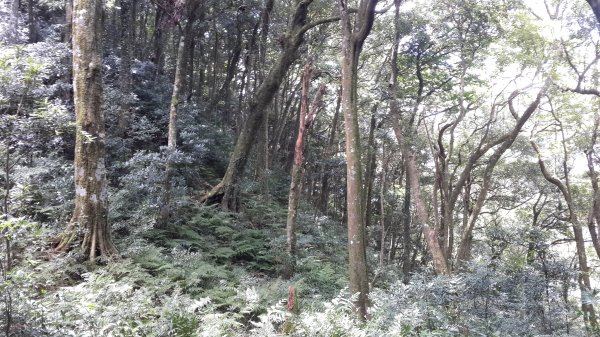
column 306, row 119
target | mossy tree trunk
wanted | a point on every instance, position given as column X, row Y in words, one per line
column 353, row 37
column 90, row 213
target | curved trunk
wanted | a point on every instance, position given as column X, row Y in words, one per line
column 589, row 314
column 464, row 249
column 226, row 191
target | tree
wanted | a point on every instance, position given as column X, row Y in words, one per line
column 90, row 213
column 507, row 140
column 353, row 38
column 14, row 21
column 589, row 314
column 306, row 118
column 127, row 27
column 225, row 191
column 413, row 190
column 190, row 8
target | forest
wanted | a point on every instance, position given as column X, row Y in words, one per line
column 299, row 168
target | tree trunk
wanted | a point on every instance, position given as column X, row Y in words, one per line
column 594, row 217
column 370, row 167
column 67, row 38
column 262, row 157
column 589, row 314
column 406, row 242
column 262, row 162
column 224, row 92
column 90, row 211
column 382, row 190
column 31, row 26
column 439, row 260
column 165, row 207
column 189, row 83
column 412, row 176
column 67, row 34
column 324, row 195
column 158, row 42
column 14, row 21
column 352, row 42
column 7, row 167
column 306, row 119
column 280, row 125
column 110, row 23
column 125, row 68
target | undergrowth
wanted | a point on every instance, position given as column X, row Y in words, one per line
column 216, row 274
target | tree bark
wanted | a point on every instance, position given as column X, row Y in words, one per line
column 370, row 167
column 352, row 42
column 324, row 195
column 14, row 21
column 31, row 26
column 158, row 42
column 68, row 22
column 127, row 25
column 306, row 119
column 90, row 211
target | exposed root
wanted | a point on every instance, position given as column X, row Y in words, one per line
column 214, row 196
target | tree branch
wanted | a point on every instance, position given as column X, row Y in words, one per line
column 553, row 180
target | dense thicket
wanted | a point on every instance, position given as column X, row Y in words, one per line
column 299, row 167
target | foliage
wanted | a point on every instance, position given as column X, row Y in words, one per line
column 466, row 71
